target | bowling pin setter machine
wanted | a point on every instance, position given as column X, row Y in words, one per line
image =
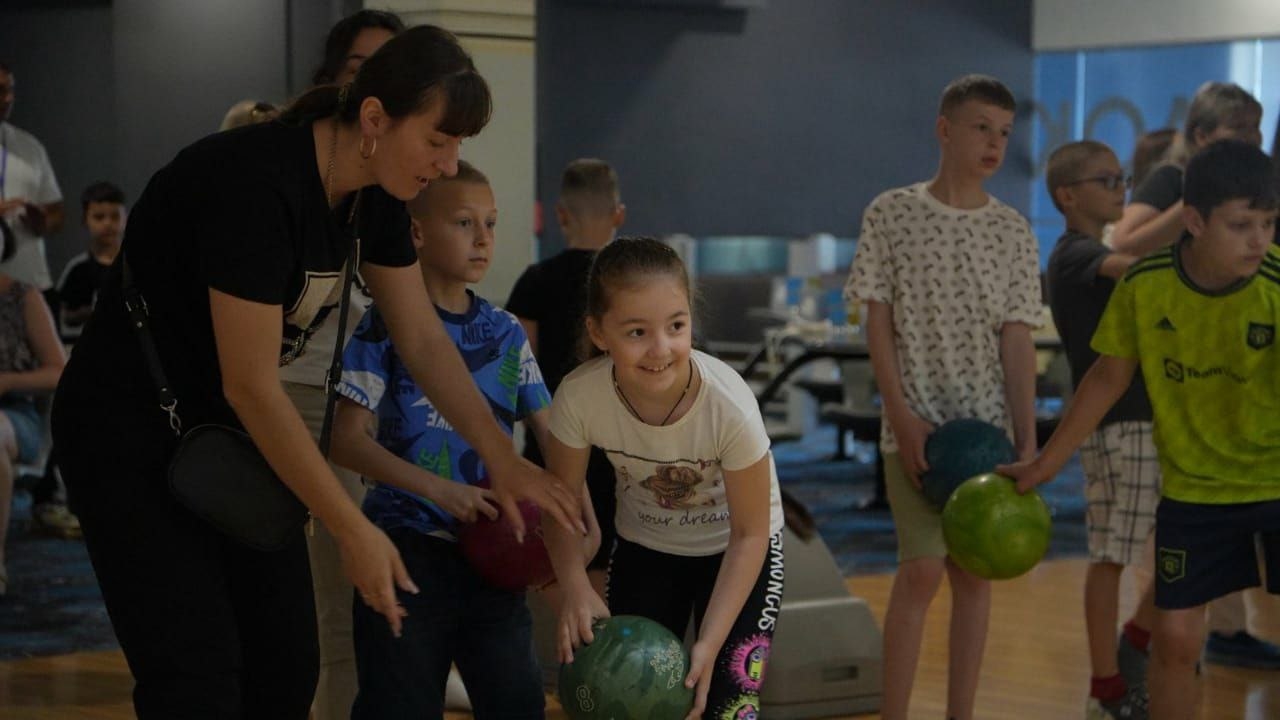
column 826, row 658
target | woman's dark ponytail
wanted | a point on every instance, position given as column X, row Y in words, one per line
column 318, row 102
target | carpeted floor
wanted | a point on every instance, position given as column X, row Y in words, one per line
column 54, row 607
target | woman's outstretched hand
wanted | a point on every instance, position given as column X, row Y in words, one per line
column 522, row 480
column 373, row 564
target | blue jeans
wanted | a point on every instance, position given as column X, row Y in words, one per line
column 27, row 425
column 455, row 619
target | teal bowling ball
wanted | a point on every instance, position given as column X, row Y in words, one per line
column 634, row 669
column 994, row 532
column 956, row 451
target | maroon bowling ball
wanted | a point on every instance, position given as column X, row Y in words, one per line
column 491, row 548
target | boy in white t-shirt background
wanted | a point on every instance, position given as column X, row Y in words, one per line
column 950, row 276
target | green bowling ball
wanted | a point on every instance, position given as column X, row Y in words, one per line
column 992, row 531
column 634, row 669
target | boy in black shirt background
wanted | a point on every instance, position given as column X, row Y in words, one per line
column 104, row 215
column 1122, row 472
column 549, row 298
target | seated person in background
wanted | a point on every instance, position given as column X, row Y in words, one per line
column 31, row 360
column 104, row 216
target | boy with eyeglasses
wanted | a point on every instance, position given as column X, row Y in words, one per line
column 1122, row 474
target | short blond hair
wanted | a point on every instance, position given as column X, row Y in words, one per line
column 982, row 88
column 589, row 186
column 467, row 173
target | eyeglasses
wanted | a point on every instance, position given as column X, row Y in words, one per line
column 1109, row 182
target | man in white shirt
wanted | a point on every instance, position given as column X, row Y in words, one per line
column 30, row 199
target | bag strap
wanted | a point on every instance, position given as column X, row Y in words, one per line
column 139, row 312
column 334, row 374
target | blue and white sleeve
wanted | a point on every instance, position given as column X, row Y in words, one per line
column 366, row 362
column 532, row 394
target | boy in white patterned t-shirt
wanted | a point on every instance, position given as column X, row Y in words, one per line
column 951, row 279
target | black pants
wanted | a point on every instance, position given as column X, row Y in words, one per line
column 455, row 619
column 210, row 628
column 672, row 588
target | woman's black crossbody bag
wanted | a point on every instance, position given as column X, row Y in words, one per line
column 217, row 471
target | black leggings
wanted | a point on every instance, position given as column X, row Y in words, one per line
column 210, row 628
column 672, row 588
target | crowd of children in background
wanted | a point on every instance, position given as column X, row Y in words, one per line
column 949, row 277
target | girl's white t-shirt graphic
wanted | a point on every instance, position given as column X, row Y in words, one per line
column 670, row 479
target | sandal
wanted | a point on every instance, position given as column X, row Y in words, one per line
column 56, row 520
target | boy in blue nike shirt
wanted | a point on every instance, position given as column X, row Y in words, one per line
column 427, row 479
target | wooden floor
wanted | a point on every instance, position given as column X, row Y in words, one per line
column 1035, row 666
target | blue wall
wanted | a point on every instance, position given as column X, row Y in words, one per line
column 784, row 120
column 1116, row 95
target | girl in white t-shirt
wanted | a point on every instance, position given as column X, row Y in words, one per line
column 698, row 517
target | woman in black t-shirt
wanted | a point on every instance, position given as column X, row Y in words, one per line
column 238, row 247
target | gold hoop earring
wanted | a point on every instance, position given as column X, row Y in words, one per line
column 372, row 149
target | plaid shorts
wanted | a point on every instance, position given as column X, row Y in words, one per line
column 1122, row 490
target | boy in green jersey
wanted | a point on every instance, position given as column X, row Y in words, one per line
column 1199, row 318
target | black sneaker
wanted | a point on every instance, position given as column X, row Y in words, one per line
column 1131, row 661
column 1241, row 650
column 1133, row 705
